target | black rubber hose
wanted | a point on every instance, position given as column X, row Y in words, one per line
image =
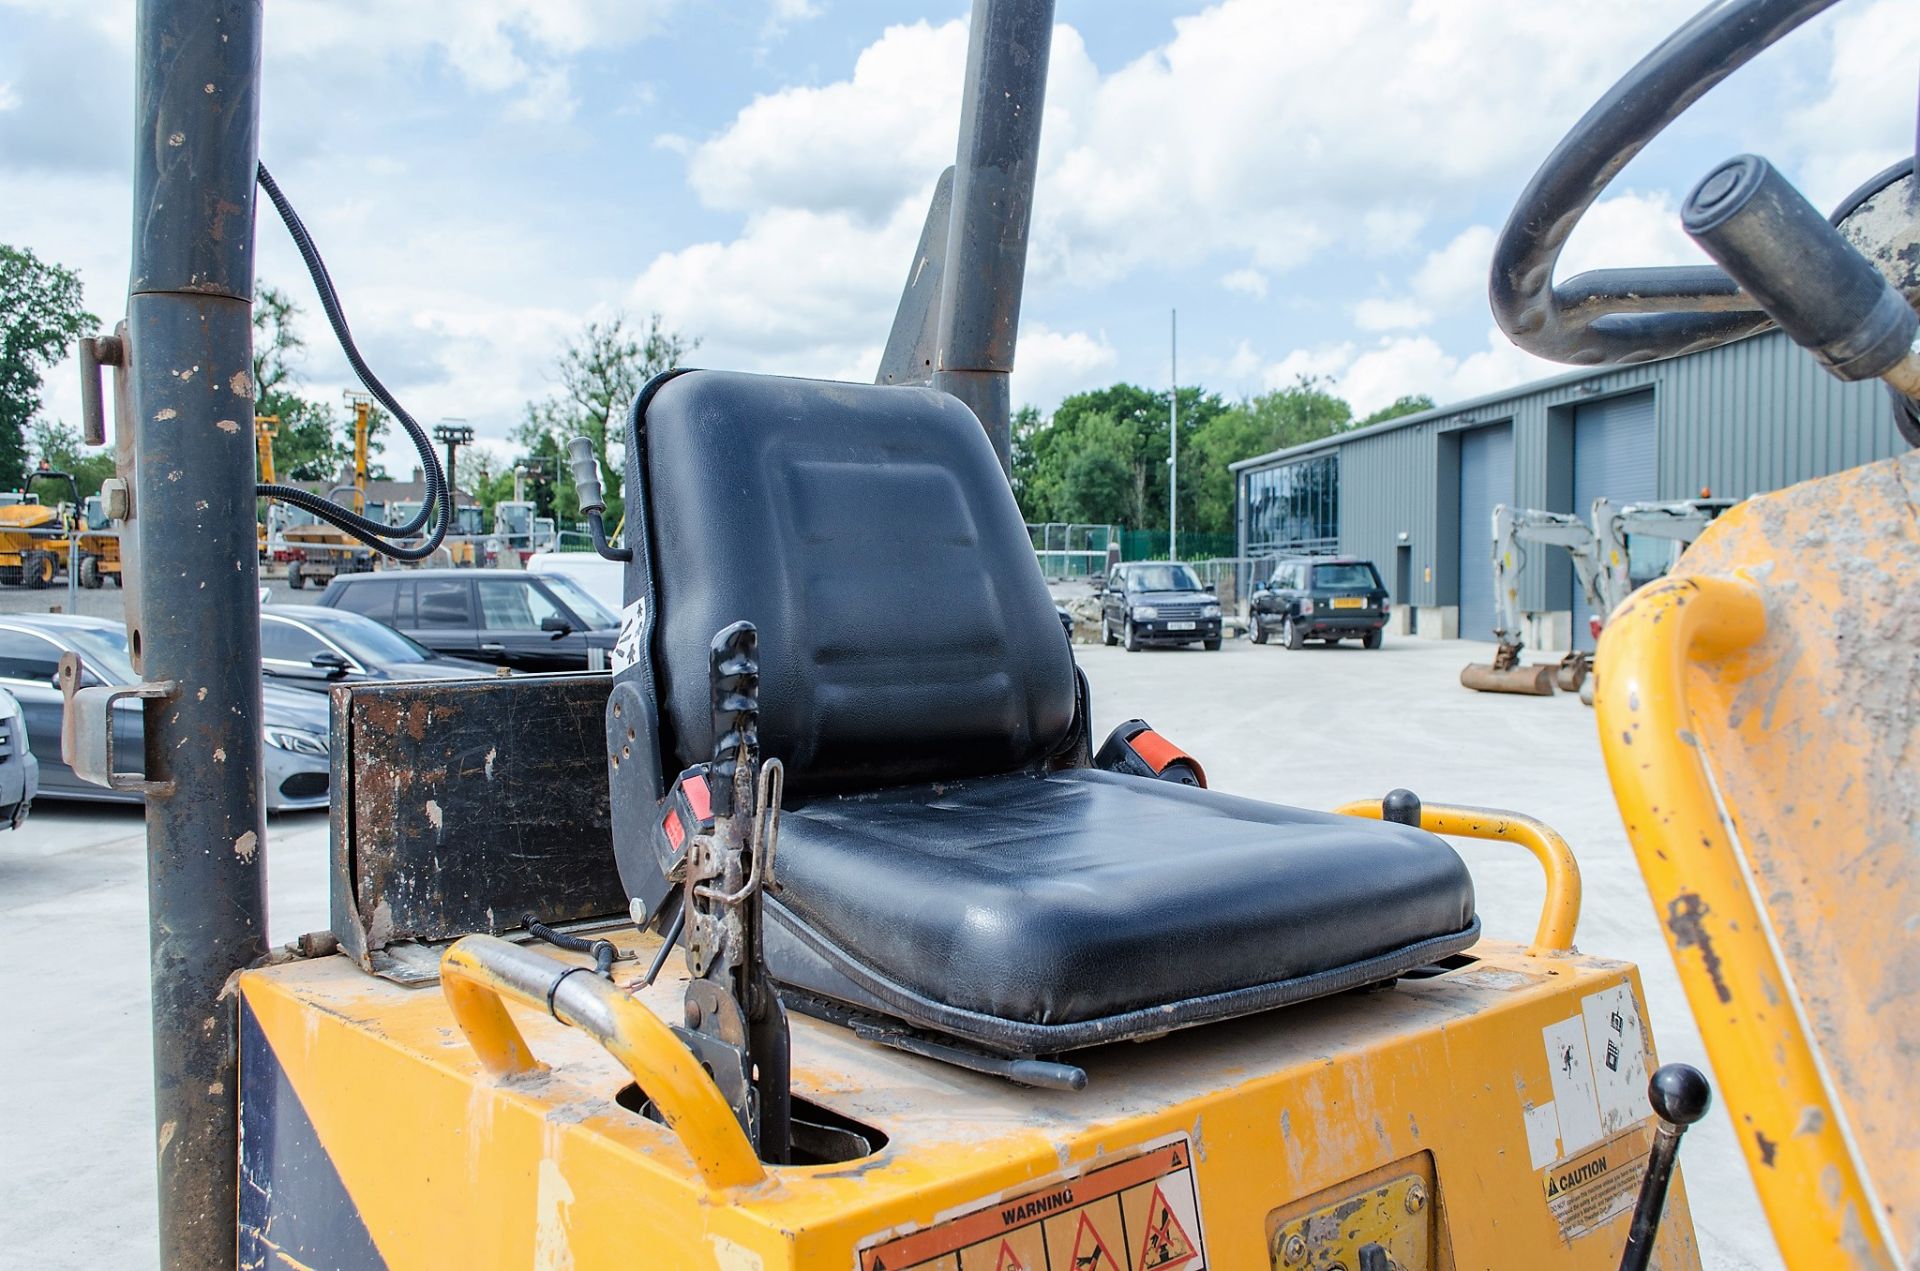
column 602, row 950
column 372, row 533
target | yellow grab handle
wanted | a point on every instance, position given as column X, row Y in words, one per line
column 1807, row 1177
column 1560, row 914
column 477, row 972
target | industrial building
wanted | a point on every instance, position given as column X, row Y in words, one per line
column 1416, row 494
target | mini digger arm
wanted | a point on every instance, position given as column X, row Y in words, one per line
column 1681, row 521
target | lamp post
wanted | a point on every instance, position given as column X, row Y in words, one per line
column 1173, row 441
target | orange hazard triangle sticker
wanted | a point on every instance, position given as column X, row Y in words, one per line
column 1090, row 1252
column 1166, row 1245
column 1008, row 1259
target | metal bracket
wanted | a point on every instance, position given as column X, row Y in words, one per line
column 86, row 728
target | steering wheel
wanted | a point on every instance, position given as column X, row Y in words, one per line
column 1633, row 315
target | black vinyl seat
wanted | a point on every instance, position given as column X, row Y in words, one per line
column 948, row 860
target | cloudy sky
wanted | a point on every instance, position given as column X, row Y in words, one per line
column 1315, row 186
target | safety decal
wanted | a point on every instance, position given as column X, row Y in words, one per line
column 626, row 645
column 1588, row 1191
column 1138, row 1213
column 1597, row 1064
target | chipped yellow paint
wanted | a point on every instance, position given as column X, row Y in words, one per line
column 453, row 1163
column 1772, row 677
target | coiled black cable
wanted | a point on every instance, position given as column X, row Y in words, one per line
column 438, row 504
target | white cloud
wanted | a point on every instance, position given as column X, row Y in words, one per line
column 9, row 100
column 1863, row 120
column 1628, row 229
column 798, row 291
column 1248, row 282
column 1394, row 367
column 1390, row 315
column 1456, row 274
column 857, row 145
column 1052, row 364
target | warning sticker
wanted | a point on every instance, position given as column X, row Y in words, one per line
column 1587, row 1191
column 626, row 645
column 1140, row 1213
column 1597, row 1066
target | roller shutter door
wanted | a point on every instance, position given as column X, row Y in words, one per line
column 1486, row 479
column 1613, row 455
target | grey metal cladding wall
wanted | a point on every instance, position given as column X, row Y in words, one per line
column 1386, row 486
column 1762, row 414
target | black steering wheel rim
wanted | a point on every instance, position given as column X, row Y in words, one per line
column 1611, row 316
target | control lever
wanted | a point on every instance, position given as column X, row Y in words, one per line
column 734, row 1018
column 1680, row 1096
column 1800, row 269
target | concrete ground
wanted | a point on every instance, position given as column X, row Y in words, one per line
column 1315, row 728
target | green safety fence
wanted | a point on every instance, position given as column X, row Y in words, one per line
column 1152, row 545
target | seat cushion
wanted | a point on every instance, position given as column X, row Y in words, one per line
column 905, row 631
column 1060, row 904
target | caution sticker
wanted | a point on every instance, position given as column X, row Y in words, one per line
column 626, row 645
column 1588, row 1191
column 1140, row 1213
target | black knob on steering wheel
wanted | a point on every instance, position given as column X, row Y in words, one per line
column 1631, row 315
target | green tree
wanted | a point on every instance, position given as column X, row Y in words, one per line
column 600, row 371
column 1411, row 404
column 1306, row 411
column 1125, row 420
column 306, row 444
column 40, row 319
column 58, row 446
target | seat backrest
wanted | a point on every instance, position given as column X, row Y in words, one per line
column 868, row 532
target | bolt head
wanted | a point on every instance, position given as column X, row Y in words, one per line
column 1295, row 1250
column 1416, row 1198
column 693, row 1014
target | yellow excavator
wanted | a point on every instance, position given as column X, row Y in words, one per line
column 317, row 550
column 822, row 933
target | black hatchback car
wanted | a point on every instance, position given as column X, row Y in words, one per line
column 314, row 647
column 530, row 622
column 1158, row 602
column 1331, row 598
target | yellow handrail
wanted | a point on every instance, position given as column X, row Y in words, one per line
column 477, row 972
column 1808, row 1179
column 1560, row 913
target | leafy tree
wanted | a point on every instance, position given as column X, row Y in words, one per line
column 600, row 371
column 40, row 319
column 1411, row 404
column 1126, row 424
column 58, row 446
column 1306, row 411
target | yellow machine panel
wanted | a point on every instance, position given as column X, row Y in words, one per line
column 1495, row 1110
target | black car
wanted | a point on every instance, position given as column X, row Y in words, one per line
column 1331, row 598
column 313, row 647
column 531, row 622
column 1158, row 602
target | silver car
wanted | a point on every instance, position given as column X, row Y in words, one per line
column 293, row 725
column 19, row 770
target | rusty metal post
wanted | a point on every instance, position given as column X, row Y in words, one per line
column 986, row 263
column 189, row 326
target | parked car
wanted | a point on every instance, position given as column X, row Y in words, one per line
column 293, row 725
column 605, row 580
column 1331, row 598
column 531, row 622
column 1158, row 602
column 312, row 647
column 19, row 770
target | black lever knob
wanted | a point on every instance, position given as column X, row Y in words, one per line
column 1808, row 278
column 1680, row 1096
column 1401, row 807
